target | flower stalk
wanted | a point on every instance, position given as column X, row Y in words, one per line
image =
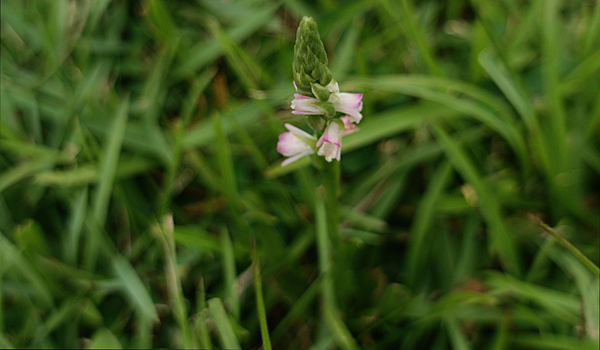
column 331, row 114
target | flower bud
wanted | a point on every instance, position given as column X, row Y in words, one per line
column 310, row 59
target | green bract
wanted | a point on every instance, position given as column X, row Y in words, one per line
column 310, row 60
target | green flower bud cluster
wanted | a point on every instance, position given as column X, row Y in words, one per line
column 311, row 73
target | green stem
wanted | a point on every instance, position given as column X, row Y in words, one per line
column 260, row 302
column 325, row 255
column 330, row 175
column 570, row 247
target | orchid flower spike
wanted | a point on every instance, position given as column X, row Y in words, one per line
column 330, row 142
column 295, row 144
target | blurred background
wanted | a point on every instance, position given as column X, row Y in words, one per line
column 139, row 178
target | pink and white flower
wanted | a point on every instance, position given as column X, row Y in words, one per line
column 305, row 105
column 295, row 144
column 330, row 142
column 350, row 104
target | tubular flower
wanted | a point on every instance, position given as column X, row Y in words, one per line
column 295, row 144
column 311, row 106
column 350, row 104
column 330, row 142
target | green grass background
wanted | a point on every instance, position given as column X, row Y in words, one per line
column 142, row 204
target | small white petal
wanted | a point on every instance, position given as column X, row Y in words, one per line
column 298, row 131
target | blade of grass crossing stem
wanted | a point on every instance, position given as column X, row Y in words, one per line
column 588, row 286
column 134, row 288
column 23, row 171
column 202, row 317
column 223, row 326
column 324, row 251
column 260, row 303
column 555, row 303
column 339, row 330
column 166, row 239
column 230, row 273
column 167, row 191
column 110, row 159
column 108, row 171
column 417, row 253
column 500, row 238
column 570, row 247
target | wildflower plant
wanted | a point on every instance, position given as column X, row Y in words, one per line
column 318, row 97
column 331, row 114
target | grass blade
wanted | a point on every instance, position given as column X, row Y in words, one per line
column 134, row 288
column 230, row 273
column 424, row 218
column 501, row 240
column 224, row 328
column 260, row 303
column 570, row 247
column 108, row 167
column 339, row 330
